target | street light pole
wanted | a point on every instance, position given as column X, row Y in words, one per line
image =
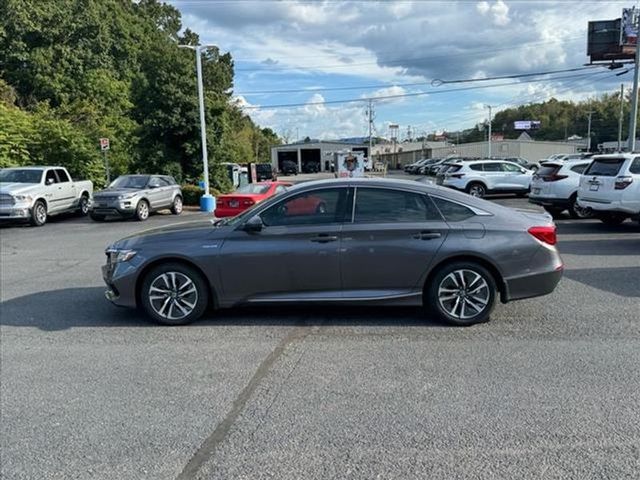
column 631, row 143
column 589, row 132
column 203, row 129
column 489, row 137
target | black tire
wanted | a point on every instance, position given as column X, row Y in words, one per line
column 475, row 276
column 522, row 194
column 176, row 207
column 83, row 208
column 96, row 217
column 153, row 301
column 38, row 214
column 575, row 211
column 554, row 211
column 612, row 219
column 477, row 189
column 142, row 211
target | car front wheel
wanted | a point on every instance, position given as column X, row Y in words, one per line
column 476, row 190
column 462, row 294
column 176, row 208
column 142, row 211
column 174, row 294
column 39, row 214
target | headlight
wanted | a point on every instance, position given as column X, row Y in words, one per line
column 22, row 198
column 117, row 256
column 126, row 197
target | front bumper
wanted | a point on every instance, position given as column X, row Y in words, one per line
column 15, row 212
column 121, row 280
column 121, row 208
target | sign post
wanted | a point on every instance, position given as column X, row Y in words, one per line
column 104, row 146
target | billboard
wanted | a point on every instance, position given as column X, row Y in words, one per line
column 526, row 125
column 629, row 27
column 351, row 164
column 604, row 40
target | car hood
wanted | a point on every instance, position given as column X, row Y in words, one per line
column 174, row 234
column 18, row 188
column 111, row 192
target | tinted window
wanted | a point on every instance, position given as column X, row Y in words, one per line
column 547, row 170
column 385, row 205
column 580, row 168
column 62, row 175
column 478, row 167
column 50, row 177
column 507, row 167
column 605, row 167
column 635, row 166
column 452, row 211
column 492, row 167
column 130, row 181
column 155, row 182
column 20, row 176
column 164, row 182
column 309, row 208
column 255, row 188
column 453, row 168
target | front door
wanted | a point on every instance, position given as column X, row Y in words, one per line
column 515, row 177
column 296, row 255
column 391, row 242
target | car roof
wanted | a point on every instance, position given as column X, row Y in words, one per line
column 30, row 167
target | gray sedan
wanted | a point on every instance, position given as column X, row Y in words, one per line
column 351, row 241
column 137, row 196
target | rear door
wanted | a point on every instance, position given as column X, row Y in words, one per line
column 390, row 243
column 493, row 175
column 66, row 192
column 154, row 193
column 597, row 184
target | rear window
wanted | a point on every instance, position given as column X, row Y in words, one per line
column 605, row 167
column 452, row 211
column 254, row 188
column 635, row 166
column 548, row 170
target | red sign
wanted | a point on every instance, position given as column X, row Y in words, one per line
column 497, row 137
column 104, row 144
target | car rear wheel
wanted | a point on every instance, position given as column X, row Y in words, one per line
column 476, row 189
column 176, row 208
column 142, row 211
column 83, row 208
column 174, row 294
column 576, row 211
column 462, row 294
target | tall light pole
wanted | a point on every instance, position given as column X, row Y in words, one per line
column 620, row 117
column 589, row 131
column 203, row 129
column 489, row 136
column 631, row 143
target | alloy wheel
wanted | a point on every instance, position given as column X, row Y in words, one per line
column 476, row 191
column 173, row 295
column 177, row 205
column 41, row 213
column 464, row 294
column 143, row 210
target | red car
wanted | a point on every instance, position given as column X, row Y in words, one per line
column 234, row 203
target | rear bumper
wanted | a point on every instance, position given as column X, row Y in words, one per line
column 549, row 202
column 534, row 285
column 227, row 212
column 613, row 207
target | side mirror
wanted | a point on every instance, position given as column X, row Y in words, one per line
column 154, row 186
column 254, row 224
column 49, row 181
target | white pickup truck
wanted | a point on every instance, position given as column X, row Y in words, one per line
column 34, row 193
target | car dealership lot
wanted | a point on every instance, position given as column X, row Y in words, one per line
column 548, row 388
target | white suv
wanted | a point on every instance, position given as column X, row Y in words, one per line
column 479, row 177
column 611, row 187
column 555, row 187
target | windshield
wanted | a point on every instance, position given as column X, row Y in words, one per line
column 20, row 176
column 130, row 181
column 254, row 188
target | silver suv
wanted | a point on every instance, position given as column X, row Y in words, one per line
column 137, row 196
column 480, row 177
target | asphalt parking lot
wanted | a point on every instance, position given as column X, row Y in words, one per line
column 547, row 389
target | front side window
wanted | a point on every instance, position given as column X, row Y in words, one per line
column 380, row 205
column 508, row 167
column 317, row 207
column 50, row 178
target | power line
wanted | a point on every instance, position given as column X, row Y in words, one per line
column 437, row 82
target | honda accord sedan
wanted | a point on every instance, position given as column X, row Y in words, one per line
column 374, row 241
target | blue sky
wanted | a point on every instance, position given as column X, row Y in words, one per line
column 374, row 49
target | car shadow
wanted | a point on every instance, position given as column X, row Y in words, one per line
column 591, row 226
column 86, row 307
column 604, row 247
column 622, row 281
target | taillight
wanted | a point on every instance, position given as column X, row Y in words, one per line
column 553, row 178
column 456, row 175
column 248, row 202
column 623, row 182
column 545, row 234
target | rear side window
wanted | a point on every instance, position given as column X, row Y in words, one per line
column 62, row 175
column 635, row 166
column 580, row 168
column 380, row 205
column 452, row 211
column 476, row 167
column 605, row 167
column 493, row 167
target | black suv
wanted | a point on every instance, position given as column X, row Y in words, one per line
column 289, row 167
column 264, row 171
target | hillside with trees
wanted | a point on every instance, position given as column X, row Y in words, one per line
column 73, row 71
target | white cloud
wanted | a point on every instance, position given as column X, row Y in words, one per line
column 500, row 11
column 483, row 7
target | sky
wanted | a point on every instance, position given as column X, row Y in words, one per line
column 313, row 53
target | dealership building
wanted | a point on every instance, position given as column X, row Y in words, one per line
column 314, row 155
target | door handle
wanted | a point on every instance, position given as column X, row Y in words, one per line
column 427, row 235
column 324, row 238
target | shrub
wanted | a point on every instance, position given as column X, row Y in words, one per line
column 191, row 194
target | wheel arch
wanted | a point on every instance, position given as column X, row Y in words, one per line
column 213, row 298
column 490, row 266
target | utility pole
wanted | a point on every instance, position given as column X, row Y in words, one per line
column 631, row 143
column 370, row 115
column 206, row 201
column 620, row 117
column 489, row 136
column 589, row 131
